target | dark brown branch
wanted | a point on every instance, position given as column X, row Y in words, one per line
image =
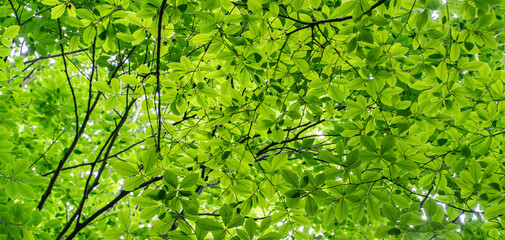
column 15, row 13
column 76, row 109
column 111, row 204
column 88, row 188
column 199, row 191
column 55, row 56
column 93, row 66
column 313, row 24
column 158, row 65
column 76, row 140
column 65, row 157
column 50, row 146
column 111, row 156
column 295, row 138
column 438, row 201
column 218, row 215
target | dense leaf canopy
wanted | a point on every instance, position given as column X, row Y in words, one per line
column 259, row 119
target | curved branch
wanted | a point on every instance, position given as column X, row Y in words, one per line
column 158, row 62
column 341, row 19
column 111, row 204
column 69, row 151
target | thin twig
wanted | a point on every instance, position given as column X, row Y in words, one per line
column 341, row 19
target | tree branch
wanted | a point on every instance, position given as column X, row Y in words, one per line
column 76, row 109
column 101, row 160
column 50, row 146
column 158, row 65
column 295, row 138
column 313, row 24
column 120, row 196
column 88, row 188
column 55, row 56
column 62, row 162
column 15, row 13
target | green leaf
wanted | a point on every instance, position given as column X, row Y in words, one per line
column 112, row 234
column 208, row 224
column 149, row 159
column 171, row 179
column 132, row 183
column 301, row 220
column 452, row 236
column 271, row 236
column 189, row 181
column 178, row 235
column 311, row 206
column 251, row 227
column 316, row 129
column 475, row 170
column 390, row 212
column 421, row 19
column 149, row 212
column 433, row 4
column 382, row 231
column 353, row 159
column 279, row 161
column 124, row 220
column 73, row 21
column 430, row 208
column 494, row 210
column 373, row 56
column 337, row 94
column 20, row 167
column 190, row 206
column 57, row 11
column 366, row 36
column 341, row 210
column 235, row 221
column 24, row 190
column 407, row 165
column 85, row 13
column 89, row 34
column 368, row 142
column 373, row 209
column 265, row 224
column 302, row 65
column 130, row 80
column 102, row 87
column 226, row 213
column 388, row 142
column 11, row 32
column 290, row 177
column 6, row 146
column 50, row 2
column 264, row 125
column 124, row 169
column 293, row 193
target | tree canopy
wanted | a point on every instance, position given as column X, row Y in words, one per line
column 258, row 119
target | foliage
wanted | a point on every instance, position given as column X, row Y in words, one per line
column 257, row 119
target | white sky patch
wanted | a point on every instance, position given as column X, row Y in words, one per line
column 434, row 15
column 477, row 209
column 424, row 217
